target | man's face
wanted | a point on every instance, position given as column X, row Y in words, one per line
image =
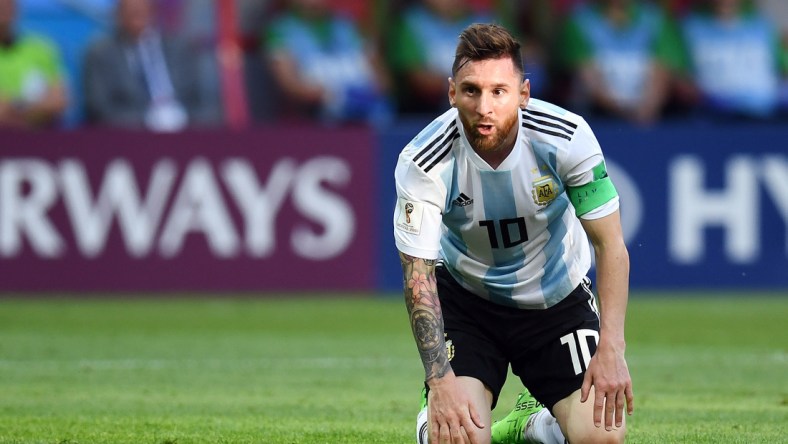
column 488, row 95
column 134, row 16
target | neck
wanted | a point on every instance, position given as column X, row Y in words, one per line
column 496, row 158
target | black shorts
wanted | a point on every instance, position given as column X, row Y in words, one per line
column 548, row 349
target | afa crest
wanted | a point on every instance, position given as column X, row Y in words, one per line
column 544, row 190
column 449, row 347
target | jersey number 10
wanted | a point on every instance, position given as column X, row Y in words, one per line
column 580, row 339
column 512, row 231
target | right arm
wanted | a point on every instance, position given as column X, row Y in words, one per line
column 450, row 408
column 424, row 312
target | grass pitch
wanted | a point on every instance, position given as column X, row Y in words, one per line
column 345, row 370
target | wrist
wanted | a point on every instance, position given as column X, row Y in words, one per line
column 436, row 382
column 612, row 341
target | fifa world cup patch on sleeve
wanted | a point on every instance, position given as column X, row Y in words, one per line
column 409, row 216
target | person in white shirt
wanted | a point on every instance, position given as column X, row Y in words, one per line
column 497, row 201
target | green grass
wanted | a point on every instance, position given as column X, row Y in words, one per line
column 345, row 370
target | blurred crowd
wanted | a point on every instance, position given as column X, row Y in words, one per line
column 167, row 65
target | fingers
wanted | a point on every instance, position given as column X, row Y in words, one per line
column 448, row 433
column 619, row 408
column 443, row 435
column 475, row 417
column 470, row 435
column 630, row 399
column 456, row 435
column 465, row 436
column 585, row 389
column 610, row 410
column 435, row 430
column 611, row 405
column 599, row 406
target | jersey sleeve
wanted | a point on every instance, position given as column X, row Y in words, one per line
column 582, row 154
column 419, row 211
column 583, row 170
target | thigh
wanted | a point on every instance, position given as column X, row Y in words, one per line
column 472, row 349
column 482, row 399
column 557, row 353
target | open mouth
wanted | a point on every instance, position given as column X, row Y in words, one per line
column 485, row 128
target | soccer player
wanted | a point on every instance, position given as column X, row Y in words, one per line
column 497, row 199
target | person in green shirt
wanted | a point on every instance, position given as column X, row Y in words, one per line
column 734, row 65
column 622, row 54
column 324, row 67
column 32, row 88
column 421, row 50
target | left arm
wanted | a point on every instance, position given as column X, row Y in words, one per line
column 608, row 371
column 49, row 108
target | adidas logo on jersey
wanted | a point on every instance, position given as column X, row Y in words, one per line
column 462, row 200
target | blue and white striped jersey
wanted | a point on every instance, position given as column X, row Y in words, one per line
column 509, row 234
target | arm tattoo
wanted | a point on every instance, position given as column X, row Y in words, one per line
column 424, row 309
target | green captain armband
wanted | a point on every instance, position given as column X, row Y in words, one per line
column 594, row 194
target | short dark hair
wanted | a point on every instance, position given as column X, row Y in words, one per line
column 485, row 41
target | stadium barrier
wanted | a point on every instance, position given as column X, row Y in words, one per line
column 275, row 209
column 301, row 208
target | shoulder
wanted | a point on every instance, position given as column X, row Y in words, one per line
column 109, row 43
column 177, row 45
column 423, row 163
column 37, row 43
column 284, row 25
column 544, row 121
column 558, row 136
column 433, row 144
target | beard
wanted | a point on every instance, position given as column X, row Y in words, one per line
column 489, row 143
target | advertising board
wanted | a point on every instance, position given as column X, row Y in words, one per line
column 262, row 210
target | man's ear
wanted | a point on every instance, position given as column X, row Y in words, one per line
column 452, row 92
column 525, row 93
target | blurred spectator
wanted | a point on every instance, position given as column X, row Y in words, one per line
column 621, row 53
column 421, row 51
column 70, row 25
column 777, row 11
column 32, row 89
column 134, row 78
column 734, row 64
column 324, row 67
column 259, row 86
column 537, row 22
column 195, row 24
